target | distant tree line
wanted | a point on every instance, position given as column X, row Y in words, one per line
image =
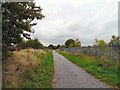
column 53, row 47
column 31, row 43
column 76, row 43
column 68, row 43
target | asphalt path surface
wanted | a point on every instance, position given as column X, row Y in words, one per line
column 69, row 75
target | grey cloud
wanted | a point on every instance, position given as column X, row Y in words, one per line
column 82, row 19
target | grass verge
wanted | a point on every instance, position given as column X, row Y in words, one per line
column 100, row 69
column 28, row 68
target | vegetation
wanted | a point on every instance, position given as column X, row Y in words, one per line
column 33, row 68
column 34, row 44
column 72, row 43
column 102, row 45
column 101, row 69
column 77, row 43
column 114, row 40
column 31, row 43
column 28, row 68
column 69, row 43
column 62, row 46
column 17, row 18
column 53, row 47
column 100, row 42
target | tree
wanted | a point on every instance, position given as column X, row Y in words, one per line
column 17, row 17
column 51, row 46
column 100, row 42
column 102, row 46
column 30, row 43
column 77, row 43
column 70, row 43
column 22, row 44
column 58, row 46
column 34, row 44
column 37, row 44
column 62, row 46
column 114, row 40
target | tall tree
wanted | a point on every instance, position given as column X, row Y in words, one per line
column 70, row 43
column 17, row 17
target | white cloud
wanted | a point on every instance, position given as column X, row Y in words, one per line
column 82, row 19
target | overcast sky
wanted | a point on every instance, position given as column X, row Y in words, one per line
column 82, row 19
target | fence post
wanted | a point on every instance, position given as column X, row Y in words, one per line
column 118, row 56
column 89, row 50
column 118, row 52
column 96, row 51
column 111, row 47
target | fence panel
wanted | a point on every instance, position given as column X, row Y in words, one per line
column 110, row 52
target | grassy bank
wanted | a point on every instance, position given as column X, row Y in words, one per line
column 28, row 69
column 102, row 70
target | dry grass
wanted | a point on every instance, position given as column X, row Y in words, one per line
column 19, row 68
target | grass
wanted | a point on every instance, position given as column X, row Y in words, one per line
column 103, row 70
column 28, row 69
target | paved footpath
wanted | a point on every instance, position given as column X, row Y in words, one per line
column 69, row 75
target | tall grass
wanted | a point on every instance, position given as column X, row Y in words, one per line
column 28, row 68
column 102, row 70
